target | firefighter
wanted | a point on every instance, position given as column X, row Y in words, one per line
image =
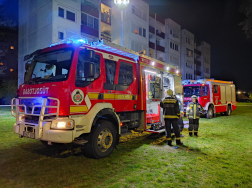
column 171, row 114
column 193, row 114
column 180, row 120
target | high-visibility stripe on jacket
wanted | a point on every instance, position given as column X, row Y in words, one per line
column 193, row 110
column 170, row 108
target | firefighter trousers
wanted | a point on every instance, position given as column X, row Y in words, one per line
column 193, row 125
column 174, row 123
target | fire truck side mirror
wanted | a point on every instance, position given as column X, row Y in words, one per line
column 89, row 70
column 27, row 66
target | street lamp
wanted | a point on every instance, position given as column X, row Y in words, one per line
column 121, row 4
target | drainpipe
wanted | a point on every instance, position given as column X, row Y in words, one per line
column 155, row 55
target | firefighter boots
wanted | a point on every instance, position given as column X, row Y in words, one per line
column 178, row 142
column 169, row 142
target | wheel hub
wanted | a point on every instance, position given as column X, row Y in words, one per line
column 105, row 140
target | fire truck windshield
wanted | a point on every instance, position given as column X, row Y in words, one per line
column 192, row 90
column 49, row 67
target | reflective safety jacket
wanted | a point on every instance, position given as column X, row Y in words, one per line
column 170, row 108
column 193, row 110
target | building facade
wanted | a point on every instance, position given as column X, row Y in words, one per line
column 42, row 23
column 187, row 54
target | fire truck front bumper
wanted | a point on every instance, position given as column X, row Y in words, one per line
column 47, row 134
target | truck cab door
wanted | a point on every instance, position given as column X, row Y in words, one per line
column 126, row 87
column 109, row 82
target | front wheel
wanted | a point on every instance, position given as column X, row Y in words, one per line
column 102, row 140
column 210, row 112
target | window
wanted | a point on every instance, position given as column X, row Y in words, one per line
column 158, row 42
column 144, row 32
column 12, row 47
column 174, row 46
column 204, row 90
column 170, row 44
column 11, row 70
column 140, row 31
column 81, row 80
column 171, row 32
column 70, row 16
column 60, row 35
column 110, row 67
column 125, row 74
column 215, row 89
column 61, row 12
column 89, row 21
column 1, row 63
column 189, row 53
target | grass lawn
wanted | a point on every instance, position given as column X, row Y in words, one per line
column 244, row 103
column 220, row 157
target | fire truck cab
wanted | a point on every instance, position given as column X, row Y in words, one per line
column 215, row 96
column 91, row 95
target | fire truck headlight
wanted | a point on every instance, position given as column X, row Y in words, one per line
column 62, row 125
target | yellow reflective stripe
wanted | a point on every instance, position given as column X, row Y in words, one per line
column 168, row 138
column 93, row 95
column 109, row 96
column 194, row 111
column 76, row 108
column 170, row 116
column 178, row 138
column 169, row 101
column 195, row 131
column 190, row 131
column 118, row 96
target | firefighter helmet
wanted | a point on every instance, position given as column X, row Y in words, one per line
column 195, row 97
column 169, row 92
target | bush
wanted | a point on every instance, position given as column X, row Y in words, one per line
column 8, row 90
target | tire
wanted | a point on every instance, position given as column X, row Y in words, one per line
column 102, row 140
column 228, row 112
column 210, row 113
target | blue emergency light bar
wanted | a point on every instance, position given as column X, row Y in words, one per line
column 115, row 49
column 72, row 40
column 200, row 81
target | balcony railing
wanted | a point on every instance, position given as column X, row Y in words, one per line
column 89, row 31
column 160, row 34
column 106, row 17
column 197, row 52
column 152, row 45
column 197, row 62
column 160, row 48
column 152, row 29
column 90, row 9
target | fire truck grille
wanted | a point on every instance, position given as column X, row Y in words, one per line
column 29, row 103
column 31, row 119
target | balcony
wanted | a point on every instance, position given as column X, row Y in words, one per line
column 106, row 17
column 160, row 48
column 198, row 73
column 106, row 35
column 89, row 31
column 152, row 29
column 152, row 45
column 197, row 52
column 197, row 62
column 90, row 9
column 160, row 34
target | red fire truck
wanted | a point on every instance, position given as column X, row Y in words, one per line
column 91, row 95
column 215, row 96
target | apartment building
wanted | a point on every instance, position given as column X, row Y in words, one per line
column 187, row 54
column 135, row 26
column 172, row 44
column 157, row 38
column 42, row 23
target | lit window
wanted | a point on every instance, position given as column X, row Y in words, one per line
column 136, row 31
column 12, row 47
column 11, row 70
column 1, row 63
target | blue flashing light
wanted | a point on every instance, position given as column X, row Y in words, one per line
column 72, row 40
column 100, row 45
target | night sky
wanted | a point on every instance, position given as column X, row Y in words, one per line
column 214, row 21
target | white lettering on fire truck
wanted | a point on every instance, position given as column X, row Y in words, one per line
column 41, row 90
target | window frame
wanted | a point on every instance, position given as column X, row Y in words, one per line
column 85, row 84
column 68, row 11
column 128, row 64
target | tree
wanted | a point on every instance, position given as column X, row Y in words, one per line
column 8, row 90
column 246, row 10
column 250, row 97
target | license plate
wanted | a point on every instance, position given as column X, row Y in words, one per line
column 28, row 134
